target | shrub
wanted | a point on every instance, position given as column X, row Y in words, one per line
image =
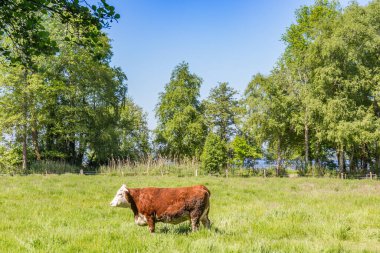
column 214, row 156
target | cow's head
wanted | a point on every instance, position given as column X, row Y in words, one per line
column 120, row 200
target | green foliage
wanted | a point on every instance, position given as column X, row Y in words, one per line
column 180, row 92
column 268, row 117
column 133, row 133
column 61, row 101
column 222, row 110
column 10, row 159
column 181, row 129
column 82, row 101
column 23, row 22
column 321, row 99
column 242, row 150
column 214, row 156
column 72, row 107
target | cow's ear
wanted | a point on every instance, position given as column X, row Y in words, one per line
column 126, row 192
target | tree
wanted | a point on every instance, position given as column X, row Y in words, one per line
column 214, row 156
column 300, row 56
column 23, row 21
column 25, row 35
column 16, row 101
column 242, row 150
column 83, row 97
column 269, row 110
column 73, row 103
column 181, row 129
column 348, row 76
column 331, row 64
column 221, row 111
column 133, row 132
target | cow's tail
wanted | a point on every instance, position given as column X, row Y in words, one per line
column 207, row 190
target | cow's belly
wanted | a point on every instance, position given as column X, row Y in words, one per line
column 174, row 218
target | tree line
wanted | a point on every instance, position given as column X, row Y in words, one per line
column 318, row 107
column 319, row 104
column 60, row 100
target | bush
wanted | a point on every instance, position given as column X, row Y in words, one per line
column 10, row 160
column 214, row 156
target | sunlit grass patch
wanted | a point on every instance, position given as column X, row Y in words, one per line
column 71, row 213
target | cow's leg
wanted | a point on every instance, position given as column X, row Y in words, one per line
column 194, row 224
column 204, row 217
column 205, row 220
column 151, row 223
column 195, row 218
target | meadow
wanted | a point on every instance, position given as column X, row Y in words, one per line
column 71, row 213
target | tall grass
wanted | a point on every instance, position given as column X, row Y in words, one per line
column 52, row 167
column 162, row 167
column 185, row 168
column 151, row 167
column 71, row 213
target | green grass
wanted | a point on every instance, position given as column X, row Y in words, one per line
column 70, row 213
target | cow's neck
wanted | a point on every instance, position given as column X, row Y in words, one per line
column 133, row 199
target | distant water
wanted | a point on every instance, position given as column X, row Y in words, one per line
column 264, row 164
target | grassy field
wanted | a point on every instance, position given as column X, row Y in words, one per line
column 70, row 213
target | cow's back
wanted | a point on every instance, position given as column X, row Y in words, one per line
column 160, row 198
column 173, row 205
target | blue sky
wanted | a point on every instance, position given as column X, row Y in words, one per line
column 222, row 40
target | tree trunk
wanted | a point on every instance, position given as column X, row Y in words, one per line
column 368, row 158
column 318, row 160
column 24, row 149
column 377, row 146
column 377, row 159
column 307, row 162
column 352, row 161
column 341, row 160
column 35, row 144
column 25, row 128
column 72, row 153
column 82, row 149
column 71, row 149
column 279, row 158
column 363, row 162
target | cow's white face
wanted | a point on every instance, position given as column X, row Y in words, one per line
column 119, row 200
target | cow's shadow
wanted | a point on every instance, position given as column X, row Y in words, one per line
column 185, row 229
column 179, row 229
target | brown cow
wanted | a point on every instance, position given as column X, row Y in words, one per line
column 168, row 205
